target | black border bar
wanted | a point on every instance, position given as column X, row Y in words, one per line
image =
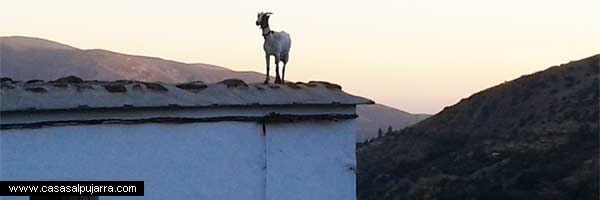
column 71, row 188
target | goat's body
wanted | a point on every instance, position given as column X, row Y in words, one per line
column 278, row 44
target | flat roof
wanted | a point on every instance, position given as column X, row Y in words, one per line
column 73, row 93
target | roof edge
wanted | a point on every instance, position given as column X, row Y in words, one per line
column 270, row 118
column 134, row 108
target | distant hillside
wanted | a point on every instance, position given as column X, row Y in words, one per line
column 25, row 58
column 374, row 117
column 536, row 137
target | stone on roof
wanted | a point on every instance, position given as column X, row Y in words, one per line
column 68, row 79
column 74, row 93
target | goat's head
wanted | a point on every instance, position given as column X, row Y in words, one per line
column 262, row 19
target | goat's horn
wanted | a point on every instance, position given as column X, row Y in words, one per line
column 269, row 13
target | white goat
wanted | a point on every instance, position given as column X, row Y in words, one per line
column 276, row 44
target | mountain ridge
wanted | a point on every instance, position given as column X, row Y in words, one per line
column 102, row 64
column 37, row 43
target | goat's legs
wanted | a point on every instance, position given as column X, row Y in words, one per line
column 284, row 58
column 277, row 79
column 268, row 59
column 283, row 73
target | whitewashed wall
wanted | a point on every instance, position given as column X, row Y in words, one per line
column 221, row 160
column 217, row 160
column 313, row 160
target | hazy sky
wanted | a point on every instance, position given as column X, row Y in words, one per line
column 415, row 55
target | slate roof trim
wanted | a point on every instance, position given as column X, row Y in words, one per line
column 73, row 93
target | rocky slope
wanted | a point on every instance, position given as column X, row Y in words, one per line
column 536, row 137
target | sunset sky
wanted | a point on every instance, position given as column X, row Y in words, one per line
column 415, row 55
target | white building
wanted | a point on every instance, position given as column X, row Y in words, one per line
column 190, row 141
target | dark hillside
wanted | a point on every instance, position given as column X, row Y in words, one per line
column 536, row 137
